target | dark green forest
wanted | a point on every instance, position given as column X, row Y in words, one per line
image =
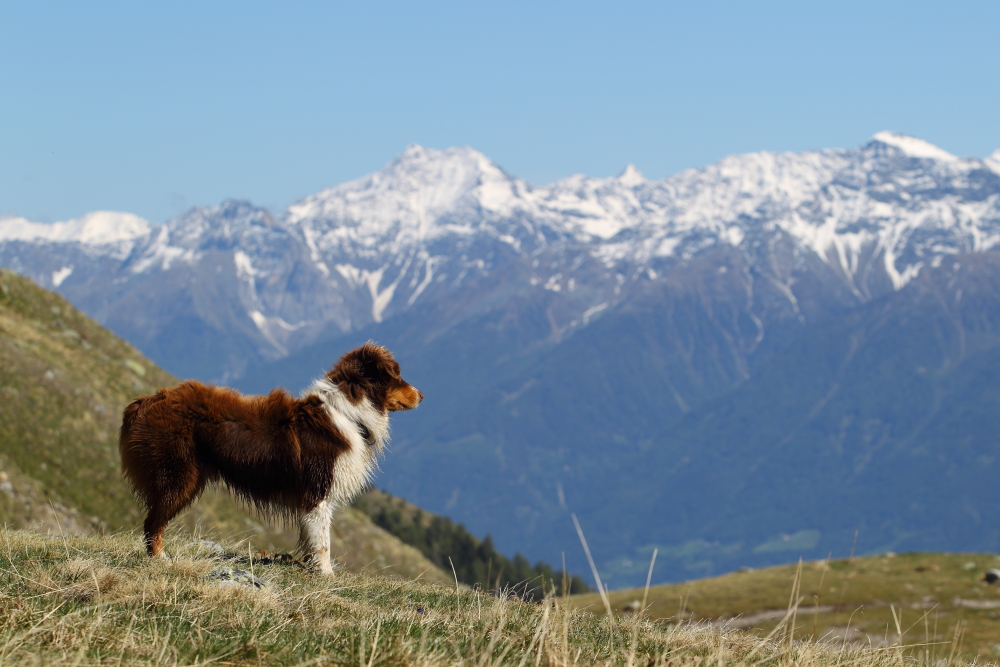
column 476, row 562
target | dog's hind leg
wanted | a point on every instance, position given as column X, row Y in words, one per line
column 314, row 537
column 153, row 529
column 161, row 511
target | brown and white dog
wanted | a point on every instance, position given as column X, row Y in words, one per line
column 301, row 458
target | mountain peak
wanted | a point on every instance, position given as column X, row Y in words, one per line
column 912, row 146
column 630, row 176
column 415, row 154
column 412, row 191
column 993, row 160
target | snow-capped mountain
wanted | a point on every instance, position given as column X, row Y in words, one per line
column 898, row 201
column 432, row 225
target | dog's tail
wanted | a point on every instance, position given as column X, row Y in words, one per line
column 130, row 447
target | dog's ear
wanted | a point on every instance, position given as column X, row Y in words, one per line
column 361, row 368
column 349, row 375
column 377, row 363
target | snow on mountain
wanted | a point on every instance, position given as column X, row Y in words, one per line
column 417, row 197
column 824, row 199
column 187, row 237
column 374, row 232
column 873, row 203
column 913, row 147
column 592, row 209
column 107, row 235
column 100, row 228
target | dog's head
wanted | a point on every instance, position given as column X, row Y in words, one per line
column 370, row 372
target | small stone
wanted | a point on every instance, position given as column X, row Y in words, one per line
column 232, row 577
column 213, row 547
column 135, row 367
column 970, row 565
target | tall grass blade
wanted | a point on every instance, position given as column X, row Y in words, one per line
column 649, row 578
column 593, row 567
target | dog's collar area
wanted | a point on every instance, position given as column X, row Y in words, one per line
column 366, row 435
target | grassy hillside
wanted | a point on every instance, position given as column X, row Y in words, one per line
column 64, row 381
column 940, row 602
column 100, row 601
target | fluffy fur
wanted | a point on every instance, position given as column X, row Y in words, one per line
column 301, row 458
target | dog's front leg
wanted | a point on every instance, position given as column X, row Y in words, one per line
column 314, row 537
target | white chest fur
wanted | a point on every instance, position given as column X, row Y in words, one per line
column 353, row 469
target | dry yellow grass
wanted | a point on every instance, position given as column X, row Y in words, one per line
column 100, row 601
column 935, row 605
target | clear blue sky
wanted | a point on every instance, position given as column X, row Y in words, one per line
column 155, row 107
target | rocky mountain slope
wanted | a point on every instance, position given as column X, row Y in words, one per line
column 697, row 363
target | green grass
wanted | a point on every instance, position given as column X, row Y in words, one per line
column 931, row 596
column 100, row 601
